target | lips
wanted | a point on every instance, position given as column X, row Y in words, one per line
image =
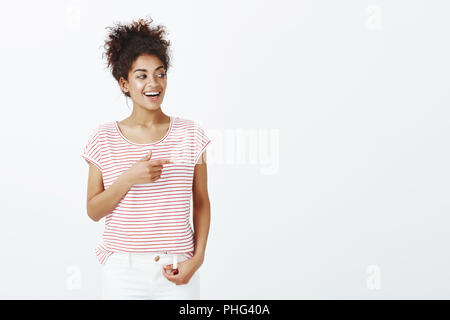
column 152, row 97
column 152, row 93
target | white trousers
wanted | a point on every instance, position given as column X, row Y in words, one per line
column 139, row 276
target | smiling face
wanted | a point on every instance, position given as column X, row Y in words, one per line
column 146, row 76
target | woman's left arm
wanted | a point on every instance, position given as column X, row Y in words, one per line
column 201, row 218
column 201, row 207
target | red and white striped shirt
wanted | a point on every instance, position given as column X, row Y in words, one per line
column 151, row 217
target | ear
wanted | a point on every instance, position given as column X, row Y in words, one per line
column 123, row 85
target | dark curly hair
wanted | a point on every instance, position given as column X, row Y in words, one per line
column 126, row 42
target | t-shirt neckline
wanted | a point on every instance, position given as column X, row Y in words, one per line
column 116, row 125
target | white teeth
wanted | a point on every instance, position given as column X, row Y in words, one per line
column 151, row 93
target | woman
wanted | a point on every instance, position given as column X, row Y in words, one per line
column 143, row 171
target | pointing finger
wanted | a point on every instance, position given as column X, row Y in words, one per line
column 160, row 162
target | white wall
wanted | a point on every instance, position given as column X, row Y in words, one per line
column 341, row 105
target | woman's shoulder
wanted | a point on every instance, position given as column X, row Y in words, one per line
column 101, row 130
column 102, row 127
column 189, row 122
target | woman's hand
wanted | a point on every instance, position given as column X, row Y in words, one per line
column 186, row 270
column 145, row 170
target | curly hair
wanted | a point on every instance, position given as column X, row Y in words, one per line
column 126, row 42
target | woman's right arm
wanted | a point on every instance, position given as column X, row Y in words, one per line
column 100, row 201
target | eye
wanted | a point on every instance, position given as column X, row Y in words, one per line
column 159, row 75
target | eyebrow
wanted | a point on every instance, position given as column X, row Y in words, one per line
column 145, row 70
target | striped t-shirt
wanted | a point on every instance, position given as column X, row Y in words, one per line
column 151, row 217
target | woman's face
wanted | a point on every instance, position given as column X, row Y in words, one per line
column 147, row 75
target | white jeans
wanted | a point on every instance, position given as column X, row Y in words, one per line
column 139, row 276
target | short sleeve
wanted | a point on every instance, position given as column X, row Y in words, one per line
column 91, row 150
column 201, row 141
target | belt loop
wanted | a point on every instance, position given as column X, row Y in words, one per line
column 175, row 261
column 129, row 259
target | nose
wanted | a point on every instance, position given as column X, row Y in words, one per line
column 151, row 80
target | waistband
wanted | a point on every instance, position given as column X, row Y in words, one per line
column 150, row 257
column 147, row 254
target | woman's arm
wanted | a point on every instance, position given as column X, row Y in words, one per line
column 201, row 207
column 100, row 201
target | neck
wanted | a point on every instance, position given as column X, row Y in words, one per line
column 147, row 118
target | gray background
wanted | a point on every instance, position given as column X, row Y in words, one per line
column 328, row 173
